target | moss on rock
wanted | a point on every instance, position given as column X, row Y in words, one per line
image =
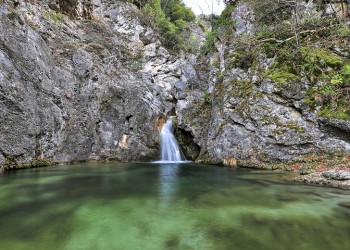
column 322, row 56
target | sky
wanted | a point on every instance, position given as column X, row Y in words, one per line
column 205, row 6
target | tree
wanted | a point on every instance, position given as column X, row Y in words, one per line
column 171, row 17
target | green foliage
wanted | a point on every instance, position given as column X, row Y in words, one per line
column 11, row 164
column 216, row 63
column 207, row 97
column 343, row 31
column 328, row 73
column 55, row 16
column 171, row 17
column 169, row 29
column 192, row 45
column 322, row 57
column 204, row 25
column 209, row 45
column 225, row 20
column 311, row 52
column 343, row 77
column 181, row 12
column 153, row 10
column 304, row 171
column 40, row 163
column 282, row 76
column 329, row 113
column 223, row 26
column 332, row 96
column 271, row 11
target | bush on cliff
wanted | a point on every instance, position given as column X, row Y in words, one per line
column 171, row 17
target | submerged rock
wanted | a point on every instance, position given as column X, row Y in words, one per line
column 320, row 179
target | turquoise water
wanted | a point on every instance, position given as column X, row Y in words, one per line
column 174, row 206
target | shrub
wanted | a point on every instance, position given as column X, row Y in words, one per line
column 171, row 18
column 55, row 16
column 223, row 26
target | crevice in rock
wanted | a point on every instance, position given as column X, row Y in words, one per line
column 294, row 146
column 38, row 150
column 128, row 123
column 185, row 139
column 3, row 153
column 244, row 126
column 335, row 132
column 75, row 8
column 172, row 112
column 98, row 124
column 128, row 117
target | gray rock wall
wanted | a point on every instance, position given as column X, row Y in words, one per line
column 76, row 89
column 241, row 114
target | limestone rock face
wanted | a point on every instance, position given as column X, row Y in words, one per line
column 252, row 119
column 74, row 8
column 244, row 17
column 240, row 113
column 75, row 89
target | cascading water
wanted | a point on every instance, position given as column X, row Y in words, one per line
column 170, row 151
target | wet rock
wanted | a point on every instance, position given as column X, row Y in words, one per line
column 188, row 146
column 340, row 175
column 2, row 159
column 319, row 179
column 230, row 162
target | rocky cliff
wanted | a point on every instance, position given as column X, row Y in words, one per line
column 82, row 80
column 90, row 80
column 270, row 98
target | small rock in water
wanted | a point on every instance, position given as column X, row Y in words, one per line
column 340, row 175
column 230, row 162
column 345, row 204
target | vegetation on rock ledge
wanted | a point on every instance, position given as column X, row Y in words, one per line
column 11, row 164
column 311, row 51
column 171, row 17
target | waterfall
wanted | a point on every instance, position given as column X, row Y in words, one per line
column 170, row 151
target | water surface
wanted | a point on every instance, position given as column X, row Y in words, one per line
column 167, row 206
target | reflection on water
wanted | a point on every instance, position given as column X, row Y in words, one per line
column 167, row 206
column 168, row 181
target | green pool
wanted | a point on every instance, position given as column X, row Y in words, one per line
column 167, row 206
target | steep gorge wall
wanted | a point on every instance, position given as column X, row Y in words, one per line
column 254, row 111
column 89, row 85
